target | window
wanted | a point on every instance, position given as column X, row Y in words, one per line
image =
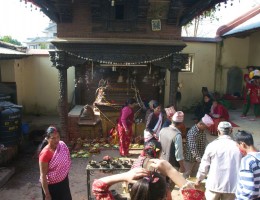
column 189, row 65
column 119, row 12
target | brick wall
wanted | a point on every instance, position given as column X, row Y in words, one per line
column 73, row 128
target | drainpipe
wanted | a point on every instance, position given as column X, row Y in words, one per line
column 218, row 67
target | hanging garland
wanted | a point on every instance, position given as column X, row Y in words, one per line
column 120, row 63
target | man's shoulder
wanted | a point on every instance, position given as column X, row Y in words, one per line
column 193, row 129
column 170, row 130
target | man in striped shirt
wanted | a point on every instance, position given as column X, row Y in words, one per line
column 248, row 186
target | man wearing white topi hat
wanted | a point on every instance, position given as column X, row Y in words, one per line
column 196, row 145
column 171, row 142
column 220, row 164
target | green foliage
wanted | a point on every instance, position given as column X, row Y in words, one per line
column 196, row 22
column 43, row 45
column 9, row 39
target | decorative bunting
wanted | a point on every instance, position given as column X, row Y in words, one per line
column 120, row 63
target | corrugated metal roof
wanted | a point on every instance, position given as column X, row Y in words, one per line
column 251, row 24
column 10, row 51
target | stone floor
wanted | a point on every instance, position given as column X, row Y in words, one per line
column 24, row 183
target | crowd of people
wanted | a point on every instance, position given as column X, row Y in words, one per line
column 230, row 164
column 219, row 162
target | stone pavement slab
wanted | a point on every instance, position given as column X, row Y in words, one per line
column 5, row 174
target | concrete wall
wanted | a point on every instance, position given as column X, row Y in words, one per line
column 234, row 53
column 202, row 75
column 37, row 83
column 7, row 71
column 254, row 49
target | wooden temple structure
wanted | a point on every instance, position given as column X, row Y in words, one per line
column 120, row 48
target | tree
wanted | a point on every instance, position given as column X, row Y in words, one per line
column 191, row 29
column 9, row 39
column 43, row 45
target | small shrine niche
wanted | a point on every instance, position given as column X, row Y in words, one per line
column 113, row 84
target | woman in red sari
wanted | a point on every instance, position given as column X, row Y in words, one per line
column 218, row 113
column 124, row 126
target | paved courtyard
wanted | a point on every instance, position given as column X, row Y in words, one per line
column 24, row 183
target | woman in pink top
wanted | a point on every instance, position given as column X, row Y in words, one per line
column 54, row 163
column 124, row 127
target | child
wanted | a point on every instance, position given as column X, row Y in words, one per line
column 248, row 186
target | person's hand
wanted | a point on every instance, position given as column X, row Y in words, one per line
column 182, row 169
column 197, row 183
column 162, row 166
column 47, row 197
column 126, row 131
column 135, row 174
column 198, row 160
column 155, row 136
column 188, row 185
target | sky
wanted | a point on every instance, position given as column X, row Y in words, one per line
column 226, row 14
column 23, row 22
column 20, row 22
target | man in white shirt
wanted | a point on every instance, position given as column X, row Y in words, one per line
column 220, row 164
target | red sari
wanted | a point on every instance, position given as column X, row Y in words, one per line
column 223, row 115
column 125, row 122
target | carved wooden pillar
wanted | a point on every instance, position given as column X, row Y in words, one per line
column 178, row 62
column 58, row 59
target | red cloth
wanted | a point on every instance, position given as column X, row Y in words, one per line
column 124, row 139
column 254, row 94
column 193, row 194
column 224, row 116
column 101, row 190
column 125, row 123
column 222, row 111
column 214, row 128
column 246, row 79
column 45, row 155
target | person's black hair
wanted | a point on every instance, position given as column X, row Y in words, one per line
column 149, row 188
column 250, row 66
column 216, row 100
column 207, row 95
column 155, row 104
column 50, row 130
column 130, row 101
column 150, row 149
column 244, row 136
